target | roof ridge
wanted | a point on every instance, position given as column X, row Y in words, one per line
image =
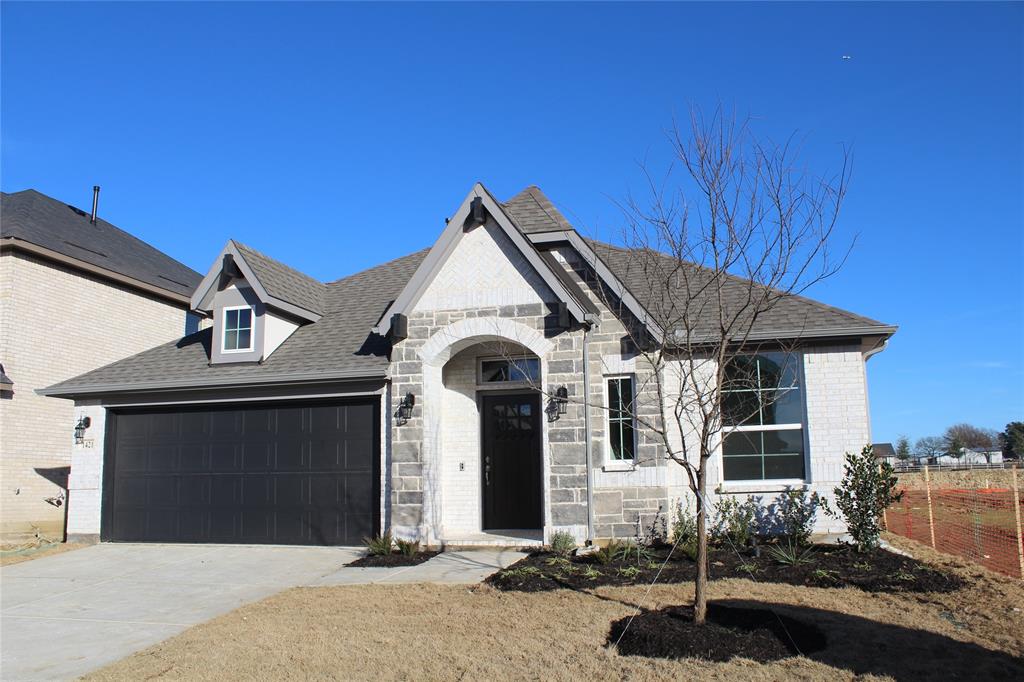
column 259, row 253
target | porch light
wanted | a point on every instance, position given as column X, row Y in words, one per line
column 557, row 404
column 405, row 408
column 80, row 427
column 6, row 383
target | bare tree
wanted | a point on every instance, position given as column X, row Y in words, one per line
column 715, row 256
column 929, row 447
column 960, row 436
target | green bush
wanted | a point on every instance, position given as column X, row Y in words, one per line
column 609, row 553
column 734, row 521
column 379, row 545
column 684, row 525
column 868, row 487
column 408, row 547
column 796, row 512
column 628, row 551
column 562, row 543
column 791, row 553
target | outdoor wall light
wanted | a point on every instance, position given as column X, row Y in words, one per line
column 557, row 404
column 80, row 427
column 6, row 383
column 405, row 408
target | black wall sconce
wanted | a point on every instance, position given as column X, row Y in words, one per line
column 404, row 412
column 558, row 404
column 80, row 427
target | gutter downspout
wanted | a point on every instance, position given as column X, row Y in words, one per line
column 587, row 435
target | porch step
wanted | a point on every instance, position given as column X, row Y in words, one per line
column 500, row 538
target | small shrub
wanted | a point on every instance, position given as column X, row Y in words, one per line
column 523, row 572
column 628, row 551
column 563, row 544
column 684, row 526
column 750, row 568
column 557, row 562
column 825, row 574
column 629, row 572
column 380, row 545
column 791, row 553
column 797, row 511
column 688, row 549
column 592, row 573
column 408, row 547
column 609, row 553
column 734, row 521
column 868, row 487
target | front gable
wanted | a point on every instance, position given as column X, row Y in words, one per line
column 483, row 226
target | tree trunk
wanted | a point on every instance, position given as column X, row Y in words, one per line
column 700, row 587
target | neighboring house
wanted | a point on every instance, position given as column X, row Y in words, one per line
column 406, row 397
column 885, row 452
column 75, row 294
column 970, row 456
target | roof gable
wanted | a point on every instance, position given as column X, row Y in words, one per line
column 449, row 240
column 275, row 283
column 30, row 217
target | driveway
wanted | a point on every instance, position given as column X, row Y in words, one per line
column 65, row 615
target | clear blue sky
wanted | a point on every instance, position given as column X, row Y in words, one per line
column 336, row 136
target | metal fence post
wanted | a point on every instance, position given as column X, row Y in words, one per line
column 1016, row 513
column 928, row 493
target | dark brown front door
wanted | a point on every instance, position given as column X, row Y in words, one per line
column 512, row 461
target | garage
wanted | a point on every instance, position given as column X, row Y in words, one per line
column 303, row 473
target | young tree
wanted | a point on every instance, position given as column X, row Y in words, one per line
column 903, row 448
column 718, row 248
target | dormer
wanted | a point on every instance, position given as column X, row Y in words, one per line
column 256, row 303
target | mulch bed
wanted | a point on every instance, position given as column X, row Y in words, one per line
column 830, row 566
column 757, row 634
column 392, row 560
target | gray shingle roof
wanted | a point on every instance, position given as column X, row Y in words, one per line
column 41, row 220
column 659, row 283
column 339, row 345
column 533, row 212
column 284, row 282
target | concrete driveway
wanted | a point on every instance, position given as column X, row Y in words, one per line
column 65, row 615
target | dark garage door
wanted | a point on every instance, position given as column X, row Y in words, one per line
column 298, row 473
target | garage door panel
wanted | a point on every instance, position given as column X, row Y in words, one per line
column 288, row 474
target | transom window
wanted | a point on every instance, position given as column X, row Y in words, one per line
column 762, row 415
column 237, row 329
column 621, row 419
column 510, row 370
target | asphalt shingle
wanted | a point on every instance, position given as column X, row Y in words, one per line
column 284, row 282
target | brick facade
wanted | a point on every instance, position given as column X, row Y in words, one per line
column 56, row 323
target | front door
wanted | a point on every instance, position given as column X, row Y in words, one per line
column 512, row 462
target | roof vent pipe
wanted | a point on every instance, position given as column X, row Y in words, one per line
column 95, row 203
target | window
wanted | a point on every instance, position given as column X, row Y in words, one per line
column 237, row 329
column 762, row 412
column 621, row 424
column 515, row 370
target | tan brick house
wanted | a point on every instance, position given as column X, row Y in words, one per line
column 76, row 293
column 484, row 390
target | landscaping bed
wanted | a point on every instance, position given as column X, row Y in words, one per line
column 730, row 631
column 826, row 566
column 393, row 559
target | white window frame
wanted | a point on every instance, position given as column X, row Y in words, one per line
column 224, row 328
column 484, row 385
column 610, row 463
column 801, row 426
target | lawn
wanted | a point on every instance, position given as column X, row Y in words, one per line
column 446, row 633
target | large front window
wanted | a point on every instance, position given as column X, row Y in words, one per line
column 762, row 416
column 237, row 329
column 621, row 424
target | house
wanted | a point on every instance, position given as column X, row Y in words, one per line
column 885, row 452
column 76, row 293
column 477, row 391
column 969, row 456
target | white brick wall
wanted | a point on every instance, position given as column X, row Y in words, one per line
column 56, row 323
column 460, row 444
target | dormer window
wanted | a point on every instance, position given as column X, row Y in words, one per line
column 238, row 321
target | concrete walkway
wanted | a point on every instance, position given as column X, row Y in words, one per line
column 65, row 615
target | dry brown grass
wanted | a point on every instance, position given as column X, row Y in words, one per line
column 962, row 478
column 448, row 633
column 15, row 554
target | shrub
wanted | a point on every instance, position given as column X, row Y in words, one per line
column 563, row 544
column 684, row 526
column 868, row 487
column 796, row 511
column 379, row 545
column 627, row 551
column 408, row 547
column 608, row 553
column 735, row 521
column 629, row 572
column 791, row 553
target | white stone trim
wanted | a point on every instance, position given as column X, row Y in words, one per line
column 448, row 341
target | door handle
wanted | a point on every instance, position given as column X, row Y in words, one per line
column 487, row 470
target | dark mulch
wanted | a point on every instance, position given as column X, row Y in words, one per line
column 830, row 566
column 392, row 560
column 757, row 634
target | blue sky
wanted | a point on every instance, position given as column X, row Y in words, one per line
column 337, row 136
